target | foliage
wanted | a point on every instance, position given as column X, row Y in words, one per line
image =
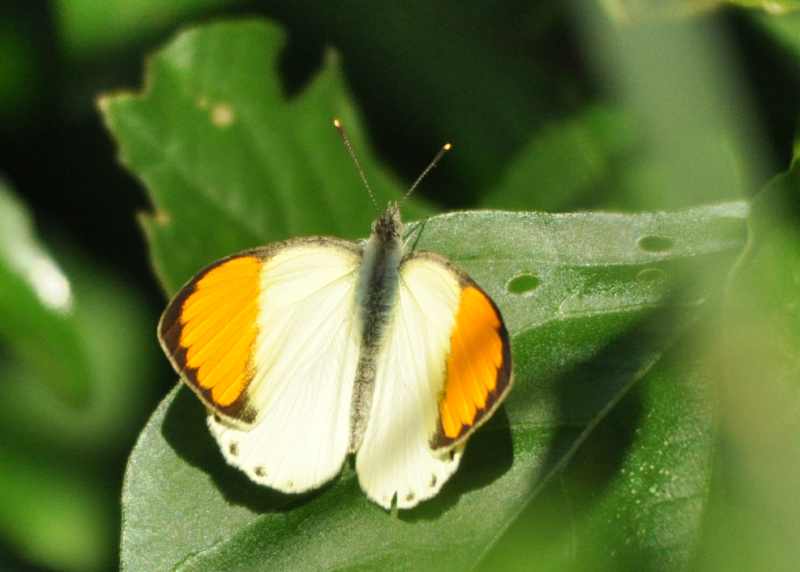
column 651, row 290
column 72, row 382
column 607, row 286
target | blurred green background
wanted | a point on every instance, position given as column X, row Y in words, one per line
column 624, row 105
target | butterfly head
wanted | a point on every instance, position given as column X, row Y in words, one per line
column 389, row 225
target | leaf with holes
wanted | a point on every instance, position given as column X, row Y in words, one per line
column 582, row 338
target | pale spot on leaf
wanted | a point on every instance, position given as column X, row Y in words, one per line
column 162, row 218
column 222, row 115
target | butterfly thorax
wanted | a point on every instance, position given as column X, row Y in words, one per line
column 377, row 281
column 376, row 291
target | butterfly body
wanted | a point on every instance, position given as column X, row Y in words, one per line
column 376, row 290
column 311, row 349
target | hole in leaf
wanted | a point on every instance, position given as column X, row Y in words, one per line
column 655, row 243
column 650, row 275
column 523, row 284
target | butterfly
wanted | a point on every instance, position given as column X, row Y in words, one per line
column 312, row 349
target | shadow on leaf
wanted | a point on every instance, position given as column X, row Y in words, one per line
column 489, row 454
column 186, row 432
column 584, row 392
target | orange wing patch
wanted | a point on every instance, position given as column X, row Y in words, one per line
column 211, row 326
column 478, row 367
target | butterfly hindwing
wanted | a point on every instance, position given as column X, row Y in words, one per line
column 269, row 339
column 443, row 367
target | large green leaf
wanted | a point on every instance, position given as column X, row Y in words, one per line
column 229, row 162
column 581, row 338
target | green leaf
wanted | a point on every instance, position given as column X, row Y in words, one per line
column 582, row 338
column 765, row 289
column 697, row 140
column 756, row 505
column 53, row 514
column 36, row 302
column 636, row 493
column 626, row 11
column 229, row 162
column 119, row 374
column 72, row 385
column 772, row 7
column 568, row 163
column 74, row 381
column 785, row 30
column 87, row 27
column 601, row 157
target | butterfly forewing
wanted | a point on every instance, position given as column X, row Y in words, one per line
column 289, row 425
column 209, row 332
column 478, row 372
column 443, row 367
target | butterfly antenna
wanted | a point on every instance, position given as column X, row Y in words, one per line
column 349, row 147
column 445, row 148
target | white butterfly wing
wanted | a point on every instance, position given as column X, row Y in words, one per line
column 289, row 426
column 443, row 367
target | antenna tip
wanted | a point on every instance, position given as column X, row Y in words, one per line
column 447, row 146
column 337, row 123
